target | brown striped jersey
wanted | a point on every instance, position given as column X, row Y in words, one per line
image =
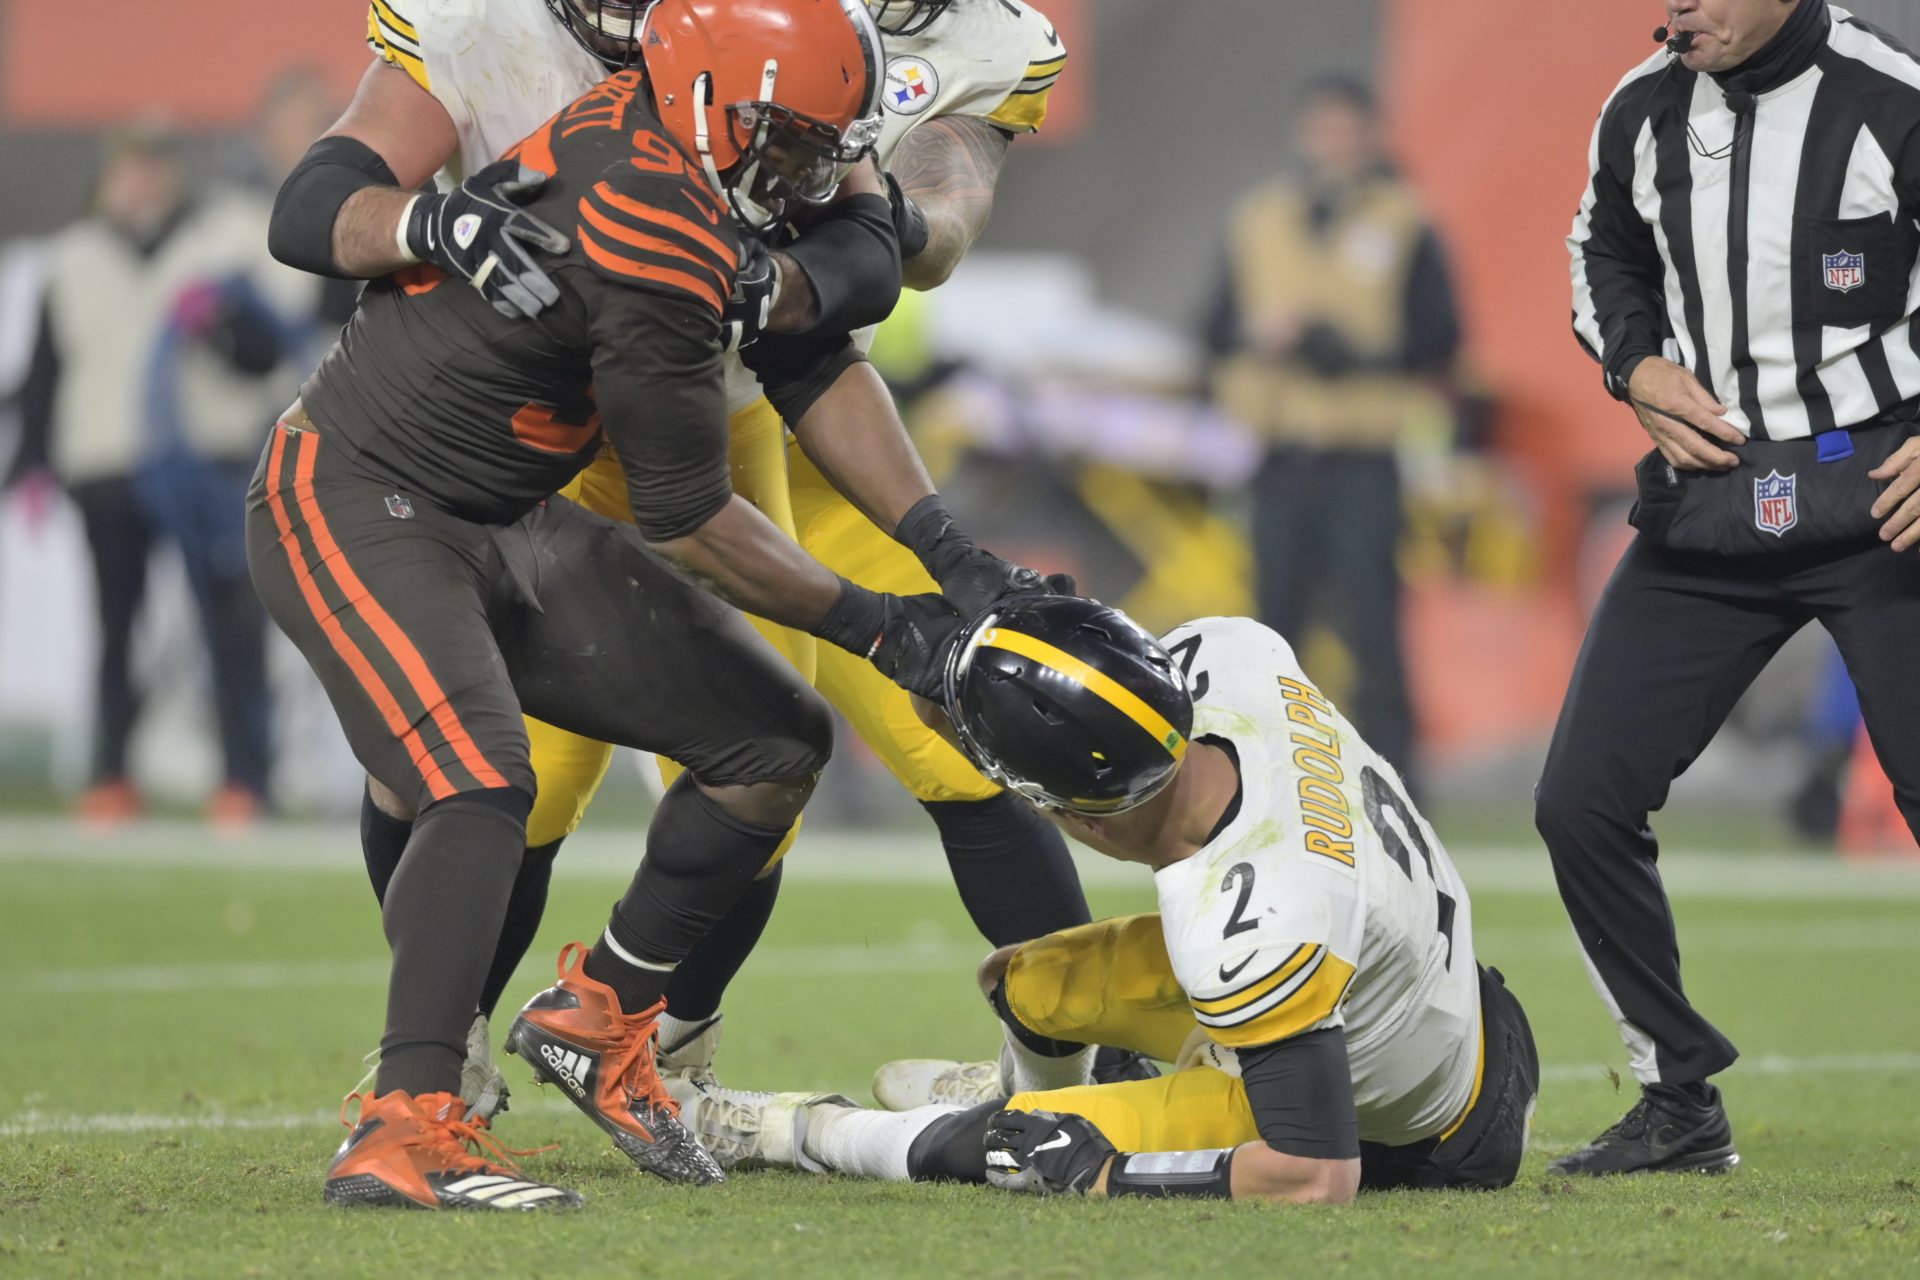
column 482, row 415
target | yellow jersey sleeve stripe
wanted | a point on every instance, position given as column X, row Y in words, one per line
column 1022, row 112
column 1479, row 1078
column 1307, row 1008
column 392, row 18
column 392, row 50
column 1108, row 689
column 1050, row 67
column 1301, row 956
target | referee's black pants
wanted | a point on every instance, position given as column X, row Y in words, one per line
column 1676, row 640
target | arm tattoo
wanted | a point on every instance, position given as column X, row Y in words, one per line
column 949, row 166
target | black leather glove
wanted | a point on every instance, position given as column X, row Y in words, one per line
column 906, row 637
column 909, row 223
column 1045, row 1153
column 972, row 579
column 755, row 285
column 481, row 234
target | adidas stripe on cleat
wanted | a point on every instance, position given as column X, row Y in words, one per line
column 575, row 1037
column 414, row 1153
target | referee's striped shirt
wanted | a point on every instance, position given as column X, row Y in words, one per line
column 1770, row 250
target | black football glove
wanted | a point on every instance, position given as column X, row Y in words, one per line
column 481, row 234
column 906, row 637
column 909, row 223
column 1045, row 1153
column 973, row 580
column 755, row 286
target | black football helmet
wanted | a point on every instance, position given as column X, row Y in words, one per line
column 906, row 17
column 1068, row 704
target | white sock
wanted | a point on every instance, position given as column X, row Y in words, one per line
column 1036, row 1073
column 867, row 1144
column 674, row 1032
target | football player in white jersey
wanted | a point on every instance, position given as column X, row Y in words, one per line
column 1311, row 968
column 454, row 84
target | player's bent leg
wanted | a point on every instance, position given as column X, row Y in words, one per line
column 1192, row 1110
column 1106, row 983
column 711, row 693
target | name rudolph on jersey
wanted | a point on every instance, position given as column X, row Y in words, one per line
column 1324, row 808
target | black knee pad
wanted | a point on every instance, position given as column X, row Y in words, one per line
column 1045, row 1046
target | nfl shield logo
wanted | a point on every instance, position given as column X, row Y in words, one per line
column 399, row 508
column 1845, row 271
column 1774, row 508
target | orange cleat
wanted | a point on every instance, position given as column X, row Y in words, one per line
column 232, row 809
column 111, row 803
column 413, row 1153
column 574, row 1035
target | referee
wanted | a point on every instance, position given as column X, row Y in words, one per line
column 1743, row 270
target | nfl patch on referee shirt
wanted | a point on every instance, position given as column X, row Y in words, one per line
column 1845, row 271
column 1775, row 505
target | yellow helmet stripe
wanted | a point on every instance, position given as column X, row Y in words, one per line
column 1111, row 691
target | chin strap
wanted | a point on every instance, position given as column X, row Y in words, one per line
column 751, row 214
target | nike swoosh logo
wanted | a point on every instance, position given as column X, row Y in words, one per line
column 1053, row 37
column 1057, row 1140
column 1228, row 975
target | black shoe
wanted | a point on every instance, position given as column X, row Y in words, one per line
column 1112, row 1066
column 1665, row 1132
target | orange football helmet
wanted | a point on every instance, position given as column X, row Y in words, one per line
column 778, row 98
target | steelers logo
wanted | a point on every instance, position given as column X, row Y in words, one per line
column 912, row 84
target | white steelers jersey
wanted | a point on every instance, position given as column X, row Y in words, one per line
column 996, row 59
column 502, row 68
column 1326, row 901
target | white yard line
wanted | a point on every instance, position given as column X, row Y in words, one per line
column 886, row 857
column 34, row 1122
column 1759, row 1064
column 935, row 953
column 829, row 960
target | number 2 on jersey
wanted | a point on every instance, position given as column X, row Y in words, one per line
column 1185, row 652
column 1379, row 797
column 1238, row 922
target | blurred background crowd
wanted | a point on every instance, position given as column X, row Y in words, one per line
column 1271, row 319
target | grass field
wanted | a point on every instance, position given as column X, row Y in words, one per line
column 181, row 1019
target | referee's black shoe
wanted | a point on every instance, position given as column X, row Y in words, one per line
column 1672, row 1129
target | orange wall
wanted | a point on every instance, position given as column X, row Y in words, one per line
column 204, row 63
column 1496, row 135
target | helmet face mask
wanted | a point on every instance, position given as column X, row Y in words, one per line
column 1069, row 705
column 607, row 29
column 906, row 17
column 787, row 158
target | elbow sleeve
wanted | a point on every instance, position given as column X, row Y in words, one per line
column 852, row 258
column 301, row 231
column 796, row 370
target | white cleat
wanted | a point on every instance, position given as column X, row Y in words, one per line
column 941, row 1082
column 483, row 1087
column 748, row 1129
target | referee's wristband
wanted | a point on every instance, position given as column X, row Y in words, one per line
column 1202, row 1175
column 1620, row 377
